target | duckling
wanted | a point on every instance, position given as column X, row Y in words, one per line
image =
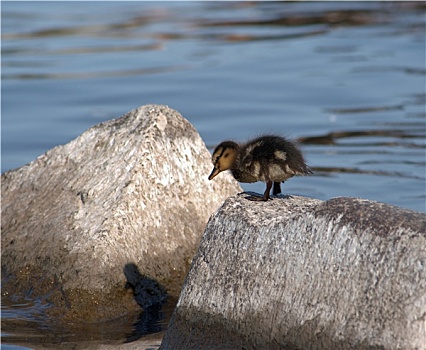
column 269, row 158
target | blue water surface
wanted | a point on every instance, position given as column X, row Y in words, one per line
column 234, row 71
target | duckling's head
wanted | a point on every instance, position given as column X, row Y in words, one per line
column 224, row 157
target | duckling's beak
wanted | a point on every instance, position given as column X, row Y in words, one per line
column 214, row 172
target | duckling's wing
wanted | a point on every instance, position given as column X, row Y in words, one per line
column 268, row 150
column 292, row 157
column 246, row 159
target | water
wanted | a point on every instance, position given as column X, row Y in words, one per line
column 347, row 79
column 23, row 322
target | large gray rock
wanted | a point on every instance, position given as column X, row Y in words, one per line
column 298, row 273
column 128, row 199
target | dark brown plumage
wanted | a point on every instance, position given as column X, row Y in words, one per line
column 269, row 158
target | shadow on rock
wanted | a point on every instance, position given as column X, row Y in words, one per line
column 151, row 296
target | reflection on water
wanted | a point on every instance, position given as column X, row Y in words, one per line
column 344, row 78
column 24, row 323
column 148, row 322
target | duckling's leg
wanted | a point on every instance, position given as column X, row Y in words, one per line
column 265, row 195
column 277, row 188
column 268, row 190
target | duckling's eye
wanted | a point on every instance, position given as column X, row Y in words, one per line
column 225, row 155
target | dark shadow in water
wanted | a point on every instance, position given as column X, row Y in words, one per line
column 328, row 171
column 87, row 75
column 349, row 17
column 148, row 322
column 151, row 296
column 365, row 109
column 330, row 138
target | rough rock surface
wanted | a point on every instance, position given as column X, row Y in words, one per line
column 133, row 190
column 298, row 273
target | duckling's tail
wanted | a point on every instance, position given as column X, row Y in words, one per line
column 308, row 171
